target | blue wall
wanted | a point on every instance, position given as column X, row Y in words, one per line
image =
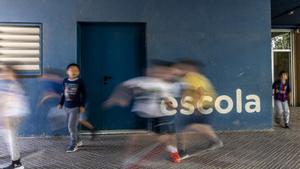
column 231, row 36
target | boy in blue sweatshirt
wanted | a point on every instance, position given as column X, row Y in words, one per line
column 73, row 102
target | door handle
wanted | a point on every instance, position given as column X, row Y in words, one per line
column 106, row 79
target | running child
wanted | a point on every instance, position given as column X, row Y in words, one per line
column 13, row 108
column 147, row 93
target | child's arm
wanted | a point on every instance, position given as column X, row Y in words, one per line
column 273, row 88
column 62, row 98
column 48, row 95
column 121, row 97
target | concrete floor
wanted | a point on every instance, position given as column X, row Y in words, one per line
column 258, row 150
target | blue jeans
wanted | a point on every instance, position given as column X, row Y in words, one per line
column 282, row 111
column 73, row 120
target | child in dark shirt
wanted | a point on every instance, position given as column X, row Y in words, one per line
column 281, row 92
column 73, row 102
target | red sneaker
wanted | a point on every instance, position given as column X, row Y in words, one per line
column 175, row 157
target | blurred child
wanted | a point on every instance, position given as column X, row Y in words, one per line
column 13, row 108
column 196, row 86
column 83, row 121
column 73, row 101
column 281, row 92
column 51, row 83
column 148, row 93
column 51, row 89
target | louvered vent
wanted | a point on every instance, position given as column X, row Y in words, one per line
column 20, row 46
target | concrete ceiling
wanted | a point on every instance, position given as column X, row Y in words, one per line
column 285, row 13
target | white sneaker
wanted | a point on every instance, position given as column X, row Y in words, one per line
column 72, row 148
column 79, row 144
column 215, row 145
column 15, row 166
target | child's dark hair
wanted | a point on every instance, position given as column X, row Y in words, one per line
column 160, row 62
column 191, row 62
column 73, row 64
column 196, row 64
column 8, row 66
column 282, row 72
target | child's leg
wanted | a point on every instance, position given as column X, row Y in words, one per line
column 172, row 143
column 168, row 140
column 279, row 109
column 206, row 131
column 73, row 124
column 181, row 142
column 202, row 129
column 87, row 124
column 286, row 112
column 165, row 127
column 11, row 139
column 83, row 121
column 277, row 117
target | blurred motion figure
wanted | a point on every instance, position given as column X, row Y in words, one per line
column 13, row 108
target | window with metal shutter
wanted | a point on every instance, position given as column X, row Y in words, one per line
column 20, row 47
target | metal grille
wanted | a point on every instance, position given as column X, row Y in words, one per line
column 20, row 47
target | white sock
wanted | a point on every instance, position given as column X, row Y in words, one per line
column 171, row 149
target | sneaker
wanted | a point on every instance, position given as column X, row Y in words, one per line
column 93, row 133
column 215, row 145
column 286, row 126
column 72, row 148
column 79, row 144
column 183, row 154
column 175, row 157
column 15, row 166
column 277, row 120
